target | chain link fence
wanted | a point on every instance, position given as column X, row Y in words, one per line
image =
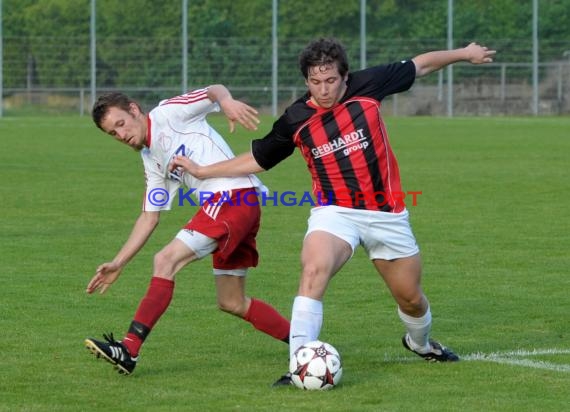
column 52, row 74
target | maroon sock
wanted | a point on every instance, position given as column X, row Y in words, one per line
column 151, row 308
column 265, row 318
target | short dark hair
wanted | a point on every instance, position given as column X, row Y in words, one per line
column 108, row 100
column 322, row 52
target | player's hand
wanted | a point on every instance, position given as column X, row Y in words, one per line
column 185, row 163
column 480, row 54
column 240, row 112
column 106, row 274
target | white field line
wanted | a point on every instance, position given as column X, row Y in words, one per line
column 517, row 358
column 520, row 353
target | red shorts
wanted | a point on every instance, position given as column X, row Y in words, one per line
column 234, row 224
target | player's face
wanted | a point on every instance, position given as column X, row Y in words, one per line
column 129, row 127
column 326, row 85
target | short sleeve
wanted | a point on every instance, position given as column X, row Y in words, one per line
column 384, row 80
column 276, row 146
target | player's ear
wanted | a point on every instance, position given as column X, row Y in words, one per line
column 134, row 109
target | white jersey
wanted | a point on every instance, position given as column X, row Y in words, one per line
column 178, row 126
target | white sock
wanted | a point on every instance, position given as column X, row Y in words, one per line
column 418, row 330
column 306, row 322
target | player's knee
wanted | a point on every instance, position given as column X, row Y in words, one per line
column 312, row 271
column 162, row 262
column 415, row 305
column 314, row 280
column 232, row 307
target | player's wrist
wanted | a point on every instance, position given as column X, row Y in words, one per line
column 119, row 263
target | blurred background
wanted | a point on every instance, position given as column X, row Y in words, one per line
column 58, row 55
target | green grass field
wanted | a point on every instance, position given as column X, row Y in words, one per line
column 493, row 223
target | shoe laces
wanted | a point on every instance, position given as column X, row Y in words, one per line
column 125, row 354
column 111, row 339
column 437, row 347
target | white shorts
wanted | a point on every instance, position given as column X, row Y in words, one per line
column 383, row 235
column 203, row 245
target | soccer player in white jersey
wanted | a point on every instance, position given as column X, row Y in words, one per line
column 225, row 226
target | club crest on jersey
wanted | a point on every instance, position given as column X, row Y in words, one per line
column 348, row 143
column 177, row 173
column 183, row 151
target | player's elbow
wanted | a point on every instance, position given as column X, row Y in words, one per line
column 151, row 219
column 422, row 70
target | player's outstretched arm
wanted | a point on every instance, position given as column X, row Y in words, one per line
column 431, row 61
column 242, row 165
column 235, row 110
column 107, row 273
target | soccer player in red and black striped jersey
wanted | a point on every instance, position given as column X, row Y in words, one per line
column 337, row 126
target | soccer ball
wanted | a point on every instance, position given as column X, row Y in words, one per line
column 316, row 366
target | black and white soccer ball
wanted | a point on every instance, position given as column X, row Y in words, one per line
column 316, row 366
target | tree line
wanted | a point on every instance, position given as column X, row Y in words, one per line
column 149, row 32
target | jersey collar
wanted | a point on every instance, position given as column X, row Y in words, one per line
column 148, row 133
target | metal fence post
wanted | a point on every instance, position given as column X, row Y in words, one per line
column 503, row 81
column 450, row 67
column 93, row 53
column 274, row 60
column 535, row 57
column 184, row 46
column 1, row 65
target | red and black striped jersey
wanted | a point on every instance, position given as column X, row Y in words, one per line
column 346, row 147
